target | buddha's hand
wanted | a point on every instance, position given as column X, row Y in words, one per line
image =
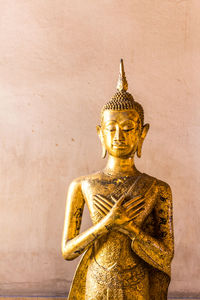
column 118, row 213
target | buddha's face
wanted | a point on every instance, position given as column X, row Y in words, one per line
column 121, row 132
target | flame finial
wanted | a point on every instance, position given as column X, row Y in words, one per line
column 122, row 84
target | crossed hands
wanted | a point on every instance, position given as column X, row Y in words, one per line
column 118, row 212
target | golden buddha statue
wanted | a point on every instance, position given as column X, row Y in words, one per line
column 129, row 248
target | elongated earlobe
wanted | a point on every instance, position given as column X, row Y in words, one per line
column 104, row 151
column 139, row 149
column 143, row 135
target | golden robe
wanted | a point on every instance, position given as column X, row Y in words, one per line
column 158, row 226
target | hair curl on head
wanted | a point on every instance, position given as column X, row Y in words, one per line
column 122, row 100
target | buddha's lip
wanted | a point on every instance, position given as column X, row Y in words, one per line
column 119, row 145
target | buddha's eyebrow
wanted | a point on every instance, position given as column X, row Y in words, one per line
column 127, row 122
column 110, row 121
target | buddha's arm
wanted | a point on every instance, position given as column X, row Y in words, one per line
column 73, row 243
column 157, row 251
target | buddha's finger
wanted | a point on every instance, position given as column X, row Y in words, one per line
column 135, row 216
column 135, row 204
column 135, row 209
column 150, row 189
column 105, row 200
column 135, row 212
column 114, row 199
column 103, row 204
column 132, row 201
column 100, row 209
column 121, row 199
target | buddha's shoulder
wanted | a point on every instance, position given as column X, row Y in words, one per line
column 145, row 180
column 163, row 186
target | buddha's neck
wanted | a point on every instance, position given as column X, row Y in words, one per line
column 120, row 166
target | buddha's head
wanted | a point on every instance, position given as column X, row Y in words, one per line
column 122, row 129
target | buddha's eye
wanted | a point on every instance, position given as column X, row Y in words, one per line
column 110, row 127
column 127, row 128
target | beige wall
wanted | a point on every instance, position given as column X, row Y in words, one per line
column 58, row 65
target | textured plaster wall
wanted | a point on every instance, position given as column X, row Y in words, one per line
column 58, row 65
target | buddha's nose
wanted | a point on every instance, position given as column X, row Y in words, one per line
column 119, row 137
